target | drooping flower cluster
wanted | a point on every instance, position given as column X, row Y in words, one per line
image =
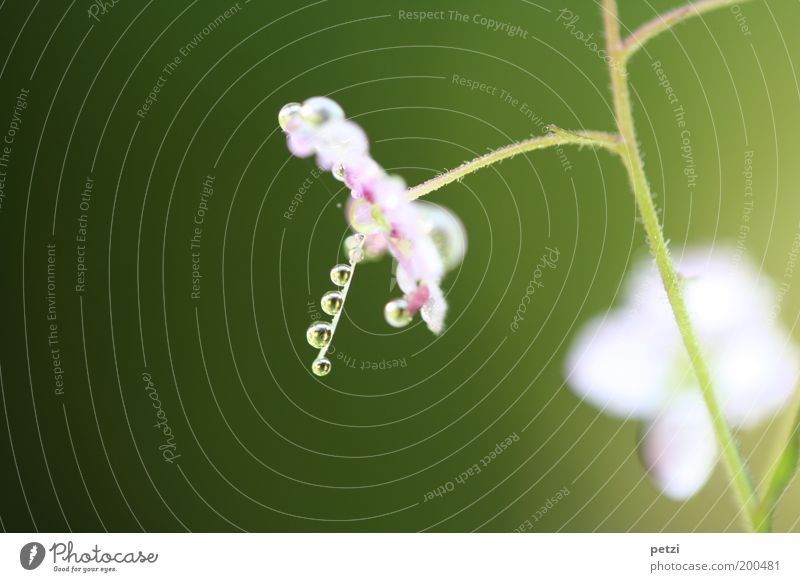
column 424, row 239
column 631, row 363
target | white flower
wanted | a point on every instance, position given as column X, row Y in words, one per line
column 631, row 362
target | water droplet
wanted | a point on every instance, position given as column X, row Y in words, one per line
column 356, row 255
column 320, row 110
column 321, row 367
column 338, row 172
column 332, row 302
column 319, row 334
column 447, row 233
column 340, row 275
column 288, row 113
column 397, row 314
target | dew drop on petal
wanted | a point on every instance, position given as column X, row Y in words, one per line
column 356, row 255
column 340, row 275
column 338, row 172
column 332, row 302
column 319, row 334
column 321, row 110
column 288, row 113
column 321, row 366
column 447, row 232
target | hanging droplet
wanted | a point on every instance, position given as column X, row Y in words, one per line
column 397, row 314
column 356, row 255
column 288, row 113
column 340, row 275
column 350, row 243
column 338, row 172
column 321, row 366
column 319, row 334
column 447, row 233
column 320, row 110
column 332, row 302
column 353, row 241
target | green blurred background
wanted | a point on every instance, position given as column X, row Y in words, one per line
column 259, row 443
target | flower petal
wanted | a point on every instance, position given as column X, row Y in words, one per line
column 755, row 371
column 339, row 141
column 618, row 365
column 435, row 309
column 678, row 448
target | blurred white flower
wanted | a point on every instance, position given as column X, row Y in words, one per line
column 631, row 362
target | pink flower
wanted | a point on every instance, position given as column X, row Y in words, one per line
column 425, row 240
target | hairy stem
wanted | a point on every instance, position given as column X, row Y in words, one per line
column 625, row 144
column 666, row 21
column 632, row 157
column 556, row 138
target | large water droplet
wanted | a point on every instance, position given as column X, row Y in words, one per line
column 288, row 114
column 321, row 367
column 332, row 302
column 321, row 110
column 447, row 233
column 340, row 275
column 319, row 334
column 397, row 314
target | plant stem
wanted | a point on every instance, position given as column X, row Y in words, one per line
column 632, row 158
column 557, row 138
column 323, row 352
column 625, row 144
column 780, row 475
column 664, row 22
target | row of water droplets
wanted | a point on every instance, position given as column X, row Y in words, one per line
column 320, row 333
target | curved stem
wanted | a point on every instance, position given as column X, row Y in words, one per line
column 625, row 144
column 664, row 22
column 632, row 157
column 556, row 138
